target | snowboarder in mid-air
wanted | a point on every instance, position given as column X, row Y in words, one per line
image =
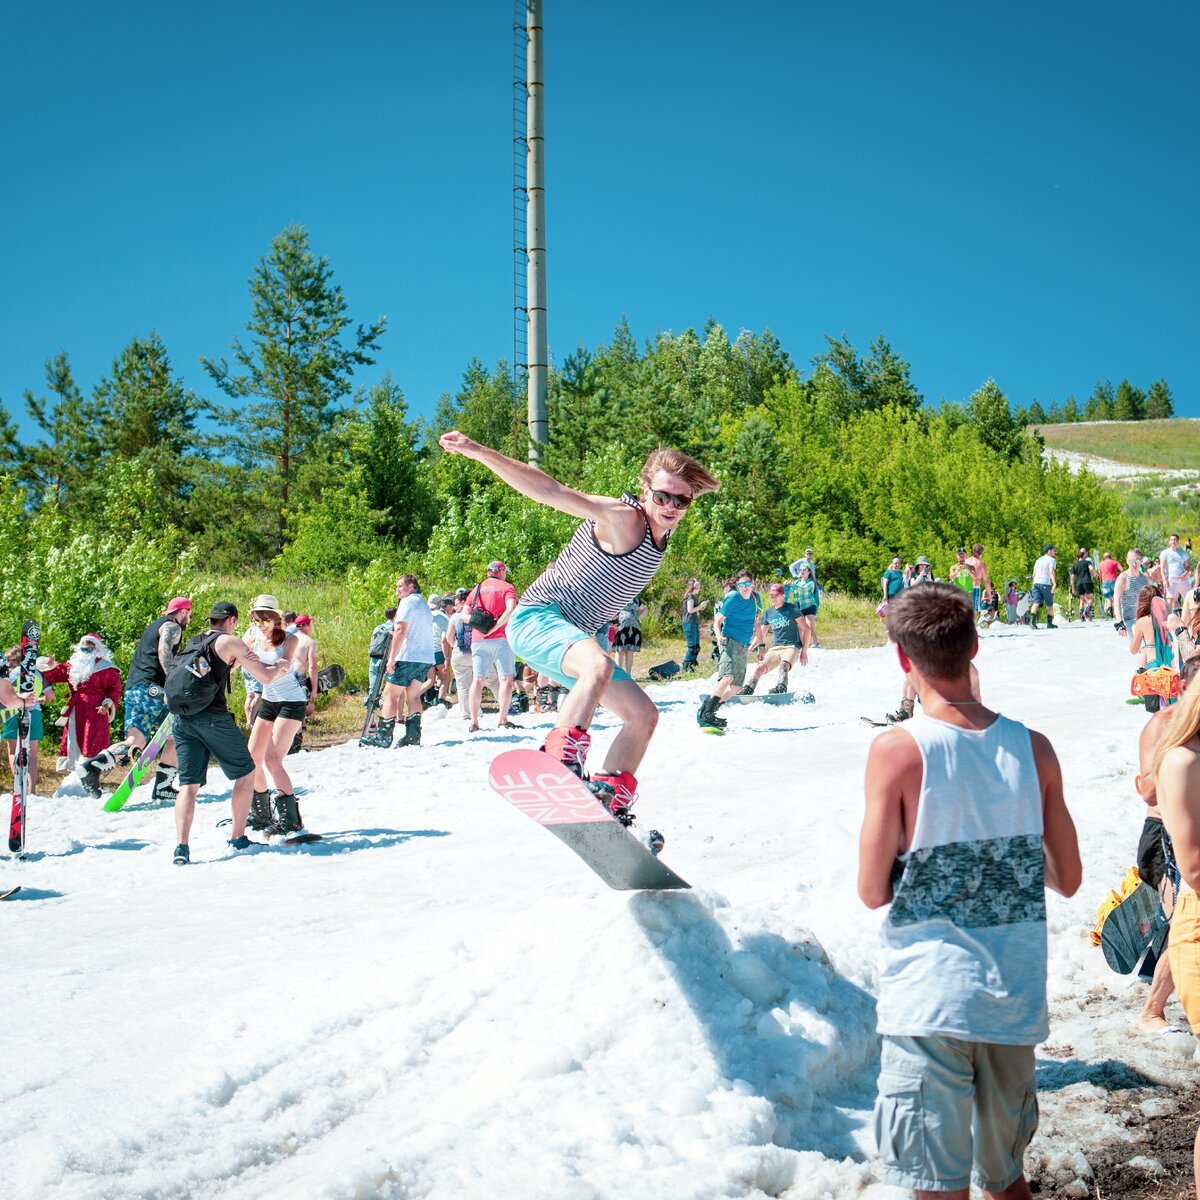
column 611, row 558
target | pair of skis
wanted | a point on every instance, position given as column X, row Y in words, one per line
column 30, row 633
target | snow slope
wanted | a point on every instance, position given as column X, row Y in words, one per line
column 439, row 1000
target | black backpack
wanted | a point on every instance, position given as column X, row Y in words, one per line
column 381, row 642
column 191, row 685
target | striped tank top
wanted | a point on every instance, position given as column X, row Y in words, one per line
column 589, row 586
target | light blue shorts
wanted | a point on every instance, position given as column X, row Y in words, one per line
column 540, row 636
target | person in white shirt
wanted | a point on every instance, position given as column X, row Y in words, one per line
column 408, row 664
column 1042, row 593
column 1175, row 570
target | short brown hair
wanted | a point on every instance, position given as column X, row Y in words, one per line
column 682, row 466
column 408, row 581
column 977, row 548
column 935, row 627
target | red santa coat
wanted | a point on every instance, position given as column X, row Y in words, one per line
column 87, row 731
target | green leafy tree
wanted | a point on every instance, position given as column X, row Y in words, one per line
column 298, row 365
column 1158, row 401
column 993, row 420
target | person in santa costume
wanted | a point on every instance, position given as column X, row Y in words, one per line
column 95, row 692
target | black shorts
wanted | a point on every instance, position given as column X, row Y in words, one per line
column 1151, row 860
column 1084, row 591
column 628, row 639
column 285, row 710
column 808, row 612
column 210, row 733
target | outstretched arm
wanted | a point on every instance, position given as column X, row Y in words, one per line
column 539, row 486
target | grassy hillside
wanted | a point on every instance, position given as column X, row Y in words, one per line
column 1167, row 444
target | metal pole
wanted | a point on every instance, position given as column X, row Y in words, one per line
column 537, row 352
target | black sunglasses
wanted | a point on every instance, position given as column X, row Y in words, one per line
column 665, row 498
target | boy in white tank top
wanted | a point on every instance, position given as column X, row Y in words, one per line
column 965, row 827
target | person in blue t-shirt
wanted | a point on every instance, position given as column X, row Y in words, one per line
column 738, row 626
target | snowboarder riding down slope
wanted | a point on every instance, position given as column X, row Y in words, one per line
column 609, row 560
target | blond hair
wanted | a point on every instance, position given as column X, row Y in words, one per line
column 1182, row 727
column 682, row 466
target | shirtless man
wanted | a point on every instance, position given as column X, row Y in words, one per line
column 611, row 558
column 979, row 572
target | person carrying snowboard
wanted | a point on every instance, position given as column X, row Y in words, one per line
column 145, row 709
column 611, row 558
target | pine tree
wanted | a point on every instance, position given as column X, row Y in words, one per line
column 1101, row 403
column 1130, row 404
column 64, row 462
column 1158, row 401
column 1037, row 414
column 993, row 420
column 300, row 362
column 1070, row 411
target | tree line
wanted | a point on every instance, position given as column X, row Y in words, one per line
column 1125, row 402
column 304, row 467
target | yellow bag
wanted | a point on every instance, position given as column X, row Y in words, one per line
column 1110, row 902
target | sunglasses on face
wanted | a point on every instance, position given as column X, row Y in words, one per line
column 745, row 583
column 674, row 498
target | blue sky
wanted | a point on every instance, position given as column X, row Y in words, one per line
column 1002, row 190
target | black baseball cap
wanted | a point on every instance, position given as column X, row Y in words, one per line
column 223, row 610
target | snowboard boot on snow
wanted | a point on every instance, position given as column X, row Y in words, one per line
column 165, row 786
column 781, row 685
column 707, row 717
column 569, row 747
column 412, row 732
column 90, row 769
column 382, row 737
column 902, row 713
column 287, row 816
column 261, row 818
column 748, row 690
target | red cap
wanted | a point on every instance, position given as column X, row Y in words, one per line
column 303, row 619
column 178, row 603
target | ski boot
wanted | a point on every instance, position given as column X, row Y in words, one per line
column 166, row 789
column 707, row 717
column 261, row 817
column 382, row 737
column 288, row 822
column 901, row 714
column 90, row 769
column 412, row 732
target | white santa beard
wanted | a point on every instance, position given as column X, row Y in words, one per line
column 81, row 666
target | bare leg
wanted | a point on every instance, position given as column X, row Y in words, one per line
column 185, row 810
column 638, row 720
column 390, row 704
column 506, row 691
column 475, row 700
column 260, row 739
column 1153, row 1016
column 592, row 670
column 278, row 742
column 239, row 802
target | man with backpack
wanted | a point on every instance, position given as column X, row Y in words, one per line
column 381, row 643
column 195, row 689
column 490, row 605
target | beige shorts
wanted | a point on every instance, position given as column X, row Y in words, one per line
column 781, row 654
column 949, row 1111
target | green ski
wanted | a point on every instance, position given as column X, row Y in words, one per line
column 141, row 768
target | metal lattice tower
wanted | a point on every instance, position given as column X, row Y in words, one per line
column 520, row 356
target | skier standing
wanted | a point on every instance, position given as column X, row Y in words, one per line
column 611, row 558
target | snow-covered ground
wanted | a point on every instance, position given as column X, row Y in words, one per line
column 1107, row 468
column 440, row 1000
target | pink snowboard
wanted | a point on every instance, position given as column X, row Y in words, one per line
column 544, row 790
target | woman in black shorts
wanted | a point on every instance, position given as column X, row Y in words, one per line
column 284, row 704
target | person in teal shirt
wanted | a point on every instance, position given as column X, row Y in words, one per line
column 893, row 579
column 738, row 624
